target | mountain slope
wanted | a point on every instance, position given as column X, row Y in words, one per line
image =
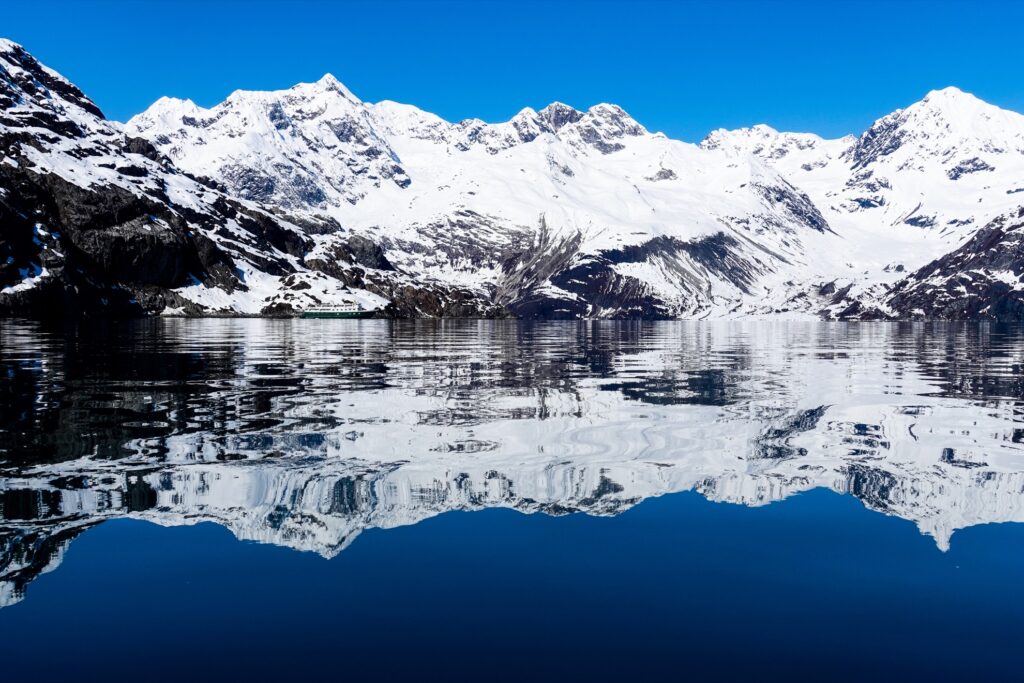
column 979, row 280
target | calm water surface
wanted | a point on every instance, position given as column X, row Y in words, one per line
column 368, row 500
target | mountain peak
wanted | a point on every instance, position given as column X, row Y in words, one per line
column 165, row 112
column 764, row 141
column 945, row 123
column 616, row 116
column 950, row 93
column 962, row 107
column 558, row 114
column 950, row 101
column 328, row 83
column 525, row 113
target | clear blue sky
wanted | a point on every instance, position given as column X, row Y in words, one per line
column 684, row 68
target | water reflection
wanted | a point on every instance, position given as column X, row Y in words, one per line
column 304, row 433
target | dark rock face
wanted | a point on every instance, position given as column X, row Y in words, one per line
column 556, row 115
column 338, row 259
column 419, row 301
column 920, row 221
column 663, row 174
column 363, row 252
column 263, row 228
column 882, row 139
column 553, row 279
column 249, row 184
column 98, row 245
column 602, row 289
column 142, row 146
column 968, row 166
column 115, row 247
column 796, row 203
column 972, row 282
column 360, row 263
column 716, row 253
column 978, row 281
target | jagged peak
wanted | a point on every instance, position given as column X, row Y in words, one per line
column 765, row 141
column 325, row 84
column 558, row 114
column 559, row 106
column 613, row 113
column 329, row 82
column 941, row 123
column 524, row 114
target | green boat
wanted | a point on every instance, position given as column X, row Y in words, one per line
column 340, row 311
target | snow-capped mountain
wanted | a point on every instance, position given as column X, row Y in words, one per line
column 630, row 217
column 554, row 213
column 312, row 146
column 916, row 185
column 929, row 166
column 96, row 221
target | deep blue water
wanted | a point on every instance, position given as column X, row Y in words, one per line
column 564, row 502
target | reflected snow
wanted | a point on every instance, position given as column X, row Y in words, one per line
column 304, row 433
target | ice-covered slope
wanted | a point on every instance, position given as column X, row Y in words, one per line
column 314, row 145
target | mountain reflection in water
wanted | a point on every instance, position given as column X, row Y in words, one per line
column 304, row 433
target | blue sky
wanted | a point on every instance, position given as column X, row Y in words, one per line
column 684, row 68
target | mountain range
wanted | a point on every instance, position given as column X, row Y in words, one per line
column 272, row 202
